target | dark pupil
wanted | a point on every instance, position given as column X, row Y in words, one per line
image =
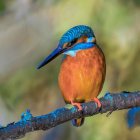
column 72, row 42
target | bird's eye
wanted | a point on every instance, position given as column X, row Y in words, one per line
column 72, row 42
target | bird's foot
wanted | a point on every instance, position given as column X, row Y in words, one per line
column 96, row 100
column 78, row 105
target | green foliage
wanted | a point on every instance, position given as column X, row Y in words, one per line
column 13, row 90
column 26, row 82
column 2, row 6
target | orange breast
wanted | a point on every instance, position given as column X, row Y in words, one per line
column 81, row 77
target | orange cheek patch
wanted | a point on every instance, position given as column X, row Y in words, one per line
column 82, row 39
column 65, row 45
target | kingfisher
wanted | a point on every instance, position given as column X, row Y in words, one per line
column 83, row 68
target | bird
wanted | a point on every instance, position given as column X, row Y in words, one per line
column 132, row 117
column 83, row 68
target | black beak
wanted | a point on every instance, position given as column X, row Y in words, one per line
column 59, row 50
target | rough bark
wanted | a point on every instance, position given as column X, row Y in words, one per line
column 28, row 123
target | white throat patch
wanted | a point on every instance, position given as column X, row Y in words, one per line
column 71, row 52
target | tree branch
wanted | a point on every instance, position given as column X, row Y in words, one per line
column 28, row 123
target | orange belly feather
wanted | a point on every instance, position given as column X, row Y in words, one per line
column 81, row 77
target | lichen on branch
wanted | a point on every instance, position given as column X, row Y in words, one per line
column 28, row 123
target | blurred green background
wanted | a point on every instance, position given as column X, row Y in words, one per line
column 30, row 29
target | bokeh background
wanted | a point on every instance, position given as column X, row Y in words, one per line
column 30, row 30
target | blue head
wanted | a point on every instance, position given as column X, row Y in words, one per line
column 77, row 38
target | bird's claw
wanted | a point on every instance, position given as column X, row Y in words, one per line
column 78, row 105
column 97, row 101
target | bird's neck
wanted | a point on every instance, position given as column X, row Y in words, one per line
column 83, row 54
column 78, row 47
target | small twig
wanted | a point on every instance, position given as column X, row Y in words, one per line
column 29, row 123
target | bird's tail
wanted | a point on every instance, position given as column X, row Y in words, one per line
column 78, row 122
